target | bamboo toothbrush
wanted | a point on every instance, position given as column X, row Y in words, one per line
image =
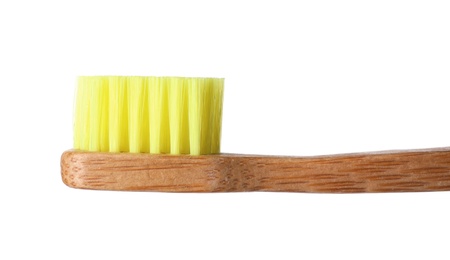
column 163, row 134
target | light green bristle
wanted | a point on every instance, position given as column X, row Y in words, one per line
column 170, row 115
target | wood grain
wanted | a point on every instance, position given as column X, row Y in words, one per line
column 391, row 171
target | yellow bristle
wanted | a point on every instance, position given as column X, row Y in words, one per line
column 118, row 114
column 137, row 115
column 148, row 114
column 178, row 117
column 159, row 119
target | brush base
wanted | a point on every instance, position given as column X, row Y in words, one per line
column 390, row 171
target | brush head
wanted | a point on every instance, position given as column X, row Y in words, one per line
column 169, row 115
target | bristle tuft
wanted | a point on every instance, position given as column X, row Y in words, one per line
column 169, row 115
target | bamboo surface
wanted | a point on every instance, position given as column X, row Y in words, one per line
column 390, row 171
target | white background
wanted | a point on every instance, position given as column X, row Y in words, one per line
column 301, row 78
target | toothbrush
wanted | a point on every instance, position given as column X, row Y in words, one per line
column 163, row 134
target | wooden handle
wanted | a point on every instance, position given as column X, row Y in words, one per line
column 393, row 171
